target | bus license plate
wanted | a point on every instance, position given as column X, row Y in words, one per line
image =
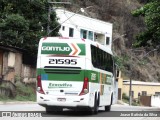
column 61, row 99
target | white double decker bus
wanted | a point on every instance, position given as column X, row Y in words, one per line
column 74, row 73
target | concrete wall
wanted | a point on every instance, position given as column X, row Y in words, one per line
column 18, row 64
column 5, row 63
column 8, row 66
column 11, row 65
column 28, row 73
column 139, row 88
column 1, row 63
column 77, row 22
column 11, row 59
column 14, row 69
column 120, row 86
column 155, row 101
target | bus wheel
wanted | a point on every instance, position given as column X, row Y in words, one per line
column 108, row 108
column 51, row 109
column 95, row 108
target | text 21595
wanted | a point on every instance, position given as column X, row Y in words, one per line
column 63, row 61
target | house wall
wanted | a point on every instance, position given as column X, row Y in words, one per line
column 1, row 63
column 77, row 21
column 5, row 64
column 65, row 32
column 14, row 69
column 120, row 86
column 8, row 66
column 11, row 65
column 28, row 73
column 18, row 64
column 9, row 70
column 11, row 59
column 139, row 88
column 155, row 101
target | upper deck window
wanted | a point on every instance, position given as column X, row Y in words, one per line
column 101, row 59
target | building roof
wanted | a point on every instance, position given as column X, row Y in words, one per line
column 82, row 21
column 127, row 82
column 11, row 48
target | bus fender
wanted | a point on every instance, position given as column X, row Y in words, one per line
column 111, row 98
column 97, row 94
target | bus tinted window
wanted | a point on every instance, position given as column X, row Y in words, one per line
column 101, row 59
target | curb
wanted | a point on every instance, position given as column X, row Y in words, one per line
column 17, row 102
column 122, row 103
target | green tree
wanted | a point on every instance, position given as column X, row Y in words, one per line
column 24, row 22
column 151, row 13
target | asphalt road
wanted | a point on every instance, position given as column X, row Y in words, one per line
column 118, row 112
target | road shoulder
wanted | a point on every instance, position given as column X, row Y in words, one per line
column 17, row 102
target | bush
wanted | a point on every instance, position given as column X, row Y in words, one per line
column 124, row 96
column 25, row 92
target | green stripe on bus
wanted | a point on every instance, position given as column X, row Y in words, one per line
column 83, row 50
column 76, row 75
column 62, row 75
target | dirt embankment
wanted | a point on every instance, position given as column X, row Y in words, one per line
column 125, row 28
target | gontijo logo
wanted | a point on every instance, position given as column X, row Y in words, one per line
column 63, row 48
column 52, row 48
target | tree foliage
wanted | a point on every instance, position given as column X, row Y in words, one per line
column 24, row 22
column 151, row 13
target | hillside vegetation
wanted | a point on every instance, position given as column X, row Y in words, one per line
column 18, row 20
column 141, row 63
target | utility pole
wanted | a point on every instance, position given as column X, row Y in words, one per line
column 130, row 85
column 49, row 13
column 48, row 26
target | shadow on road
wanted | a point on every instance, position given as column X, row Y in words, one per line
column 72, row 113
